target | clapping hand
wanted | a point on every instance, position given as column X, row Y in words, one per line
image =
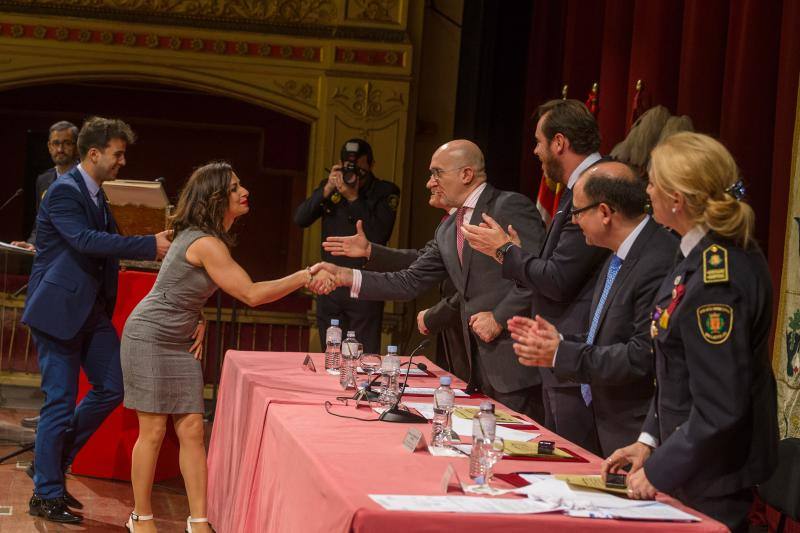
column 536, row 340
column 489, row 235
column 352, row 246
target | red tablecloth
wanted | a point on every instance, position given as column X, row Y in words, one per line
column 107, row 454
column 279, row 462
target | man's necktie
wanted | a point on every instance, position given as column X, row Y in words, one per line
column 460, row 234
column 613, row 269
column 103, row 205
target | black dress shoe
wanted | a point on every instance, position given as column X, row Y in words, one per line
column 53, row 509
column 71, row 501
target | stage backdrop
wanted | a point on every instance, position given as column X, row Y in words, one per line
column 786, row 358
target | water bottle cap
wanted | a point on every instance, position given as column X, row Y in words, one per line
column 334, row 321
column 445, row 380
column 351, row 333
column 391, row 349
column 487, row 406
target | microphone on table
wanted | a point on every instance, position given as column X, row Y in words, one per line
column 394, row 413
column 19, row 192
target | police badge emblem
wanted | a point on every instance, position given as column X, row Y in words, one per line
column 716, row 322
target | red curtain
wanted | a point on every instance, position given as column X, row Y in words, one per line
column 731, row 65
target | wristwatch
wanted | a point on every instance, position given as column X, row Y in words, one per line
column 500, row 253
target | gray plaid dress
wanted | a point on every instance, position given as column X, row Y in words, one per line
column 160, row 374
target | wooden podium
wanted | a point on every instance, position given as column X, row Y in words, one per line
column 139, row 207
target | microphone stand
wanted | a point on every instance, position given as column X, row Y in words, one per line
column 394, row 413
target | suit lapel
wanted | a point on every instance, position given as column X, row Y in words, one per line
column 560, row 218
column 449, row 253
column 627, row 266
column 475, row 219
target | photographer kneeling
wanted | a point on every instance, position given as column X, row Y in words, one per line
column 351, row 193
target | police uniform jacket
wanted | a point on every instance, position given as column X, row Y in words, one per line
column 714, row 411
column 376, row 207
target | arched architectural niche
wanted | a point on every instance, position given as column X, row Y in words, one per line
column 341, row 88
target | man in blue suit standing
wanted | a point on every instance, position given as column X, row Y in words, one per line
column 71, row 295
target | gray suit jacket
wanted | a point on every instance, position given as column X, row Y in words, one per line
column 562, row 277
column 385, row 259
column 619, row 365
column 479, row 282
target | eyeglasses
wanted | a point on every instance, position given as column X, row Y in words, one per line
column 59, row 144
column 576, row 213
column 436, row 173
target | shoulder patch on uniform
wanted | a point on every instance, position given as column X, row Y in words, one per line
column 715, row 264
column 336, row 198
column 715, row 322
column 393, row 201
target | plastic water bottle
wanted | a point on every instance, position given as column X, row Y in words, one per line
column 483, row 429
column 390, row 368
column 333, row 347
column 351, row 352
column 443, row 400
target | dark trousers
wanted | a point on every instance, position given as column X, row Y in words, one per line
column 527, row 401
column 64, row 428
column 362, row 316
column 567, row 414
column 731, row 510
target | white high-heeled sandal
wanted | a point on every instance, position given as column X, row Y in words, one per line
column 190, row 521
column 136, row 518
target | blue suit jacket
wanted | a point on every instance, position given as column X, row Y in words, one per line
column 77, row 259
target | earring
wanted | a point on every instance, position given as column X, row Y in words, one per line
column 673, row 209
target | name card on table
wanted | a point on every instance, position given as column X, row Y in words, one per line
column 450, row 481
column 308, row 364
column 414, row 440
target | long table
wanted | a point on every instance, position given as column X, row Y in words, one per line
column 279, row 462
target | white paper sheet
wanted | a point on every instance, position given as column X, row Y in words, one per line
column 558, row 492
column 428, row 391
column 654, row 511
column 461, row 504
column 403, row 371
column 464, row 427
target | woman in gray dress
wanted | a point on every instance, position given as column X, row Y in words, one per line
column 162, row 341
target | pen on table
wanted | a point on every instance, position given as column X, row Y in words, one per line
column 459, row 450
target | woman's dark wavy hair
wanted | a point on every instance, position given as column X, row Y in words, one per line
column 204, row 200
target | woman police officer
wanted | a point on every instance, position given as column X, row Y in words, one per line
column 711, row 433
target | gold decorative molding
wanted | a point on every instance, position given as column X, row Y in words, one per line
column 366, row 20
column 368, row 100
column 175, row 42
column 294, row 11
column 298, row 90
column 374, row 10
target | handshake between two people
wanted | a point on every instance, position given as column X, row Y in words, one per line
column 325, row 277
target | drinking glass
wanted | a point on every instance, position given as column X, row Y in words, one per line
column 371, row 364
column 492, row 453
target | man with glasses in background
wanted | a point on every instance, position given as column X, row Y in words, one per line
column 64, row 153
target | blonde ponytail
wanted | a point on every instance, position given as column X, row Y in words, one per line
column 702, row 169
